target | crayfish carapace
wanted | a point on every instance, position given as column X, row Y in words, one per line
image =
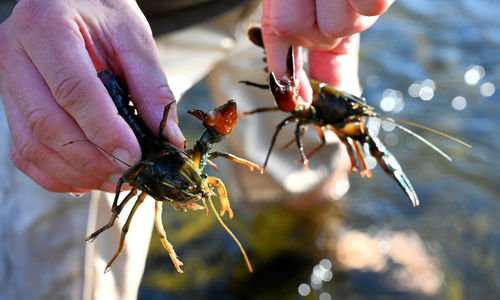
column 344, row 114
column 170, row 174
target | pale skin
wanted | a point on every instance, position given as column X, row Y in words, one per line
column 50, row 51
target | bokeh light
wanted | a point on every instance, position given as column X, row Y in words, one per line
column 423, row 90
column 304, row 289
column 459, row 103
column 473, row 75
column 487, row 89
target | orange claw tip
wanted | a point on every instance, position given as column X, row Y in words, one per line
column 178, row 266
column 229, row 211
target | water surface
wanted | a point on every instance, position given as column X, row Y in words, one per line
column 432, row 62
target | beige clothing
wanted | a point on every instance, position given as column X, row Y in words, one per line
column 42, row 248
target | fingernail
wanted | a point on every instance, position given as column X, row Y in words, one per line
column 123, row 158
column 114, row 178
column 175, row 135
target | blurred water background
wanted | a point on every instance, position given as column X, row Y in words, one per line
column 435, row 62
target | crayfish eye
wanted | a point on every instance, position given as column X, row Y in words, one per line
column 204, row 176
column 184, row 186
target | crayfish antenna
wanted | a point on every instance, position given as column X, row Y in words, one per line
column 98, row 147
column 434, row 131
column 243, row 252
column 419, row 137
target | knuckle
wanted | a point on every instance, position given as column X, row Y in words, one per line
column 39, row 122
column 68, row 90
column 17, row 159
column 26, row 149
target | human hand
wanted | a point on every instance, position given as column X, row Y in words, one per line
column 328, row 28
column 49, row 54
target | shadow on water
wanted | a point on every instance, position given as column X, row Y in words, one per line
column 433, row 62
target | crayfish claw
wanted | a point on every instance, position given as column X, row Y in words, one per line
column 354, row 168
column 392, row 167
column 229, row 210
column 366, row 173
column 177, row 264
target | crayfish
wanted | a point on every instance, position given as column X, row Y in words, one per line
column 343, row 113
column 167, row 173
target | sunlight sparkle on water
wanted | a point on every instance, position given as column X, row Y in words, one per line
column 459, row 103
column 414, row 89
column 388, row 126
column 423, row 90
column 391, row 139
column 426, row 93
column 473, row 75
column 325, row 296
column 304, row 289
column 371, row 162
column 392, row 100
column 487, row 89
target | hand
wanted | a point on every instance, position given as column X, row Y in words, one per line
column 49, row 54
column 328, row 28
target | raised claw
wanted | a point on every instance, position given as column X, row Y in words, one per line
column 392, row 167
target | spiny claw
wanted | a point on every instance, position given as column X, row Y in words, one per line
column 228, row 209
column 353, row 169
column 177, row 264
column 392, row 167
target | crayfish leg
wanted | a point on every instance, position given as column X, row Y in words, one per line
column 117, row 193
column 300, row 145
column 273, row 140
column 163, row 237
column 125, row 228
column 365, row 171
column 163, row 122
column 392, row 167
column 116, row 209
column 349, row 148
column 235, row 159
column 221, row 190
column 322, row 139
